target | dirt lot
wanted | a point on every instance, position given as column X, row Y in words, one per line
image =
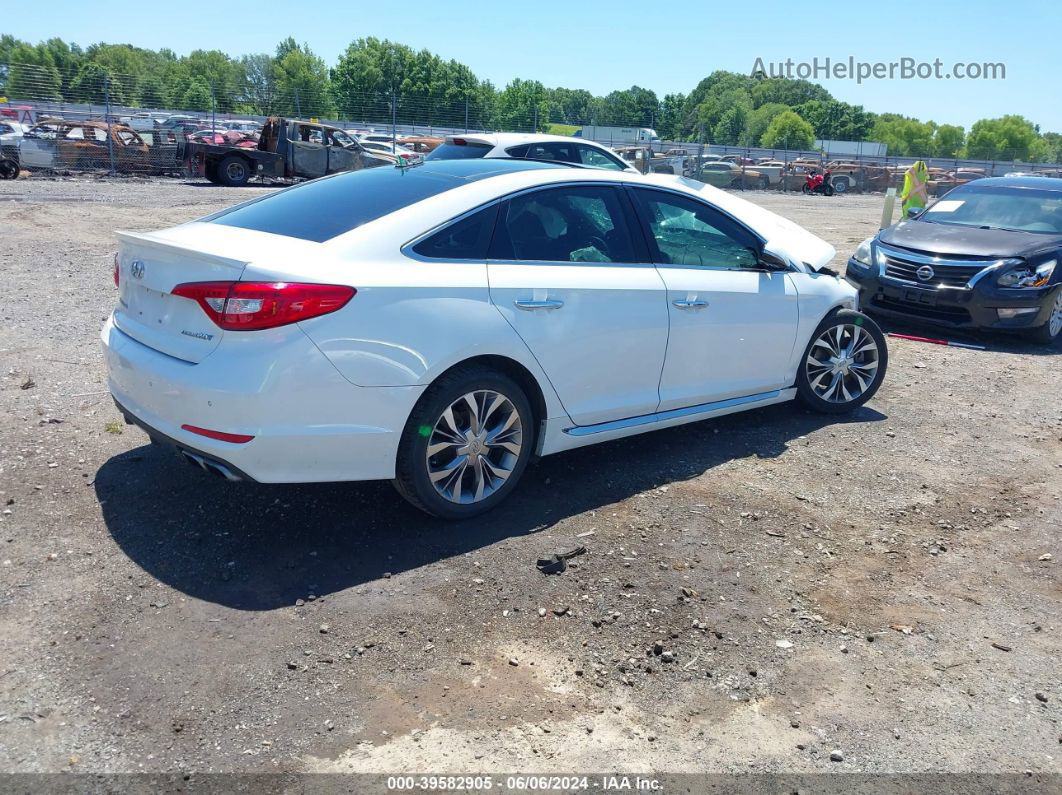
column 885, row 586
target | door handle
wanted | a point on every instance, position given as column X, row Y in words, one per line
column 529, row 306
column 690, row 304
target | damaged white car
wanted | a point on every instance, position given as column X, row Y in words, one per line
column 440, row 325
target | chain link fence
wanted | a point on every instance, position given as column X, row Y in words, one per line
column 120, row 123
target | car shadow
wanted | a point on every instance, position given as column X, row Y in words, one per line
column 1000, row 341
column 259, row 547
column 204, row 183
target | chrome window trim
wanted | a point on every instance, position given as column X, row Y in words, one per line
column 725, row 214
column 407, row 248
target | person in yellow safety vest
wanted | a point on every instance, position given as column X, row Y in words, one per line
column 915, row 188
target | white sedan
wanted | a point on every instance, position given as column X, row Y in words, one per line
column 440, row 325
column 533, row 146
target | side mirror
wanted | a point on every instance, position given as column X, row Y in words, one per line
column 774, row 261
column 912, row 212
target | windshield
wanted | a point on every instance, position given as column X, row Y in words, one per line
column 1015, row 209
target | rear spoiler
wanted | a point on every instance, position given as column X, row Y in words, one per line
column 149, row 240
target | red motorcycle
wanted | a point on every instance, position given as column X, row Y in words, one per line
column 817, row 183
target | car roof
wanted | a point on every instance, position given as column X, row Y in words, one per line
column 1040, row 183
column 510, row 139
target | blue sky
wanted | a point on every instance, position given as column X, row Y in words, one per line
column 606, row 46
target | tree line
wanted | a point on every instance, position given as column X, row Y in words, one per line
column 375, row 79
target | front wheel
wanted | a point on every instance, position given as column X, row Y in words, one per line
column 1050, row 331
column 466, row 444
column 843, row 365
column 806, row 189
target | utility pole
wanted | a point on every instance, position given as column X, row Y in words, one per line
column 213, row 111
column 110, row 125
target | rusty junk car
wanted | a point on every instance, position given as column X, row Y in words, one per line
column 286, row 149
column 59, row 144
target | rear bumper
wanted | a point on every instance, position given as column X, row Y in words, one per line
column 308, row 422
column 955, row 308
column 208, row 462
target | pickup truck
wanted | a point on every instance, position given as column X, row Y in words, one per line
column 287, row 149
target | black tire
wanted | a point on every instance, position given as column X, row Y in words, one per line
column 1043, row 334
column 234, row 171
column 805, row 189
column 411, row 467
column 8, row 169
column 827, row 189
column 805, row 382
column 765, row 182
column 210, row 171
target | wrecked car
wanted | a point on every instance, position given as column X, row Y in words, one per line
column 724, row 174
column 61, row 144
column 286, row 149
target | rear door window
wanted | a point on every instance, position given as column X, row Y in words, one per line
column 563, row 151
column 567, row 224
column 589, row 156
column 464, row 239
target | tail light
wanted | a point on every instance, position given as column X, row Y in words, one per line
column 117, row 275
column 251, row 306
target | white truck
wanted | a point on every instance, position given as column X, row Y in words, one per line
column 618, row 135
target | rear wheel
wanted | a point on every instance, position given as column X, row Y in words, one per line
column 8, row 169
column 827, row 189
column 1050, row 331
column 765, row 182
column 466, row 444
column 844, row 364
column 806, row 190
column 234, row 171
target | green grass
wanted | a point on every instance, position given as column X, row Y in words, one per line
column 563, row 129
column 113, row 427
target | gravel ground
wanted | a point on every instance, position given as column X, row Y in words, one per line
column 760, row 591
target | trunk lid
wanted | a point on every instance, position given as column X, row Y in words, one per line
column 150, row 266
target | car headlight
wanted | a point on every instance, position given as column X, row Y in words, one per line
column 1026, row 276
column 862, row 253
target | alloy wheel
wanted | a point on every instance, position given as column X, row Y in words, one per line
column 1054, row 325
column 474, row 446
column 842, row 363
